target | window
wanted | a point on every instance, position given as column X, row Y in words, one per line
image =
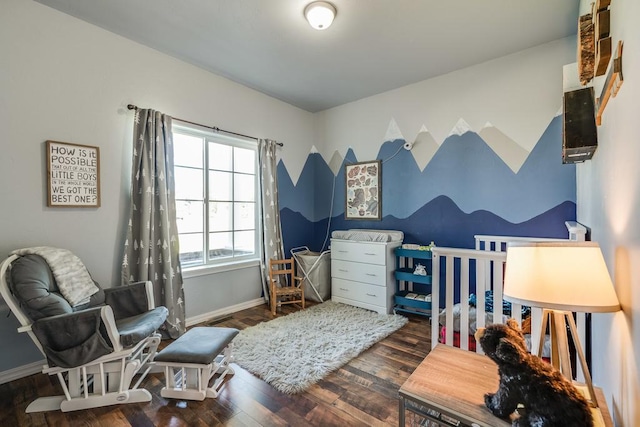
column 216, row 197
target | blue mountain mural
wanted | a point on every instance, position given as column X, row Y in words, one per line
column 469, row 172
column 440, row 221
column 298, row 198
column 465, row 189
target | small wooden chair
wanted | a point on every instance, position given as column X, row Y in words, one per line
column 284, row 286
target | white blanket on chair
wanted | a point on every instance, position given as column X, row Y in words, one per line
column 72, row 277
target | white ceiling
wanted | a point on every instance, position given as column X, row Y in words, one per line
column 373, row 45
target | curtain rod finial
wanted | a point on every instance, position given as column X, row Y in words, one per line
column 131, row 107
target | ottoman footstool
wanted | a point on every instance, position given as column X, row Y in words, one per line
column 193, row 359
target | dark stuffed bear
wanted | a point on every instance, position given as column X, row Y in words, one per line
column 549, row 399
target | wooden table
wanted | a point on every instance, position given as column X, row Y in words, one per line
column 453, row 382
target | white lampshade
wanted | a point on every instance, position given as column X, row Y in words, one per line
column 320, row 14
column 560, row 276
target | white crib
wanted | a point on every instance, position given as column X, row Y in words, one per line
column 486, row 262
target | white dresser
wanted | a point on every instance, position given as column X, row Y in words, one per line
column 362, row 274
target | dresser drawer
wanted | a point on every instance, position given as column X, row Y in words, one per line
column 356, row 291
column 367, row 273
column 370, row 253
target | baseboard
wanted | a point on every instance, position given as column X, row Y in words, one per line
column 21, row 371
column 223, row 312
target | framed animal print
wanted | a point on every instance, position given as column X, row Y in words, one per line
column 363, row 181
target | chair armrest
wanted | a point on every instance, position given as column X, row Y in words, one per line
column 130, row 300
column 74, row 339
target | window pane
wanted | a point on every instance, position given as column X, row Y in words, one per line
column 216, row 213
column 244, row 160
column 220, row 245
column 245, row 242
column 220, row 156
column 191, row 249
column 220, row 216
column 187, row 150
column 244, row 216
column 244, row 187
column 190, row 216
column 189, row 183
column 220, row 185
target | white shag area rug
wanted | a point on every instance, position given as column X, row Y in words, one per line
column 295, row 351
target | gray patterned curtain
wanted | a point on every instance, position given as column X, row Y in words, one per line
column 270, row 210
column 151, row 250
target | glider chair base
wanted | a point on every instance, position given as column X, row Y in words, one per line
column 105, row 381
column 194, row 359
column 54, row 403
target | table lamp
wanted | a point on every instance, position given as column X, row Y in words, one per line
column 561, row 278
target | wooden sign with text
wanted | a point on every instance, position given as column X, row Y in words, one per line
column 73, row 175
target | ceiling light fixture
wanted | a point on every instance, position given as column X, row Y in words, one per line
column 320, row 14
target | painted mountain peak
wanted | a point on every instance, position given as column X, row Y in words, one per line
column 336, row 162
column 424, row 148
column 465, row 168
column 460, row 128
column 506, row 148
column 511, row 153
column 393, row 131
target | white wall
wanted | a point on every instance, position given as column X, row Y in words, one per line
column 609, row 203
column 519, row 94
column 65, row 80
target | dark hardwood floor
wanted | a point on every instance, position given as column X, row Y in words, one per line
column 364, row 392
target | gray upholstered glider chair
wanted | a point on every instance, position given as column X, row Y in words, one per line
column 97, row 346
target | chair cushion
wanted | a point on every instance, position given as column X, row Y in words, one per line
column 35, row 288
column 198, row 345
column 33, row 284
column 136, row 328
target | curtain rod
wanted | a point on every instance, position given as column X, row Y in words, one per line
column 214, row 128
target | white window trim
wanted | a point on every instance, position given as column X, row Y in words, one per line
column 240, row 262
column 206, row 270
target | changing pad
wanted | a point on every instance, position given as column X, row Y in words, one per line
column 365, row 235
